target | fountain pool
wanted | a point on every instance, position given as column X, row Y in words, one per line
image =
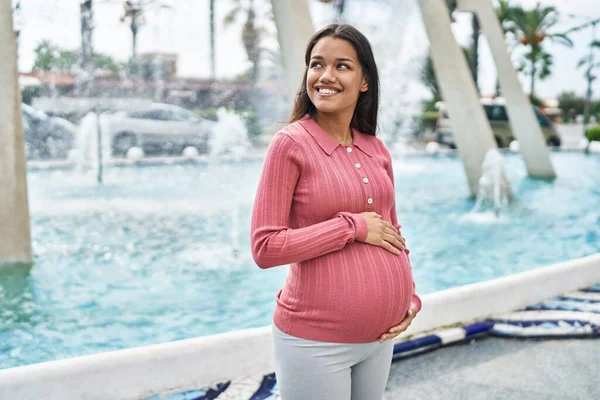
column 161, row 252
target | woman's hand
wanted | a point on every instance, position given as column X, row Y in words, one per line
column 398, row 329
column 382, row 233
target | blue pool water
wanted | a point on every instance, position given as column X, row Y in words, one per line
column 161, row 253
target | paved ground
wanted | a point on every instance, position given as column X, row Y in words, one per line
column 492, row 368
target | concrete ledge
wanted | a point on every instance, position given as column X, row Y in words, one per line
column 483, row 299
column 141, row 372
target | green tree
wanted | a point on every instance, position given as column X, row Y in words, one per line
column 49, row 57
column 590, row 66
column 45, row 56
column 533, row 28
column 570, row 103
column 505, row 11
column 106, row 62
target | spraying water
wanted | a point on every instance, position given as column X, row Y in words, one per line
column 493, row 191
column 399, row 61
column 230, row 136
column 87, row 143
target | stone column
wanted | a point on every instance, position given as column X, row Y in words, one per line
column 472, row 131
column 522, row 119
column 294, row 28
column 15, row 237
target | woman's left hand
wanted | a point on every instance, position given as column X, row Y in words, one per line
column 398, row 329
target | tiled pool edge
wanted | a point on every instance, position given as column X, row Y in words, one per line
column 194, row 363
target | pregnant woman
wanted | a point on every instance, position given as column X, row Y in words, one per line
column 325, row 204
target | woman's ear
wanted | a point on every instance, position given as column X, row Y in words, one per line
column 365, row 85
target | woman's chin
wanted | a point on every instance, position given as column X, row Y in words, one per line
column 326, row 108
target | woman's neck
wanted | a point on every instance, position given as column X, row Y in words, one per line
column 336, row 125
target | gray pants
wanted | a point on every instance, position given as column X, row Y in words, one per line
column 307, row 369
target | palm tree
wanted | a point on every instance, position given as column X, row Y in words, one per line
column 590, row 65
column 86, row 57
column 505, row 11
column 251, row 32
column 134, row 12
column 213, row 69
column 533, row 28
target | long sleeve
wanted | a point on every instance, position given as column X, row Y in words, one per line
column 273, row 241
column 390, row 171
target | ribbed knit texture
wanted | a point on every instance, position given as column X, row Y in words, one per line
column 306, row 214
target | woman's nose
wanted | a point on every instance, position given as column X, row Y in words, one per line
column 328, row 75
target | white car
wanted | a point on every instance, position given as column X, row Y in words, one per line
column 161, row 128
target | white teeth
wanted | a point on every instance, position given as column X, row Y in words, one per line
column 327, row 91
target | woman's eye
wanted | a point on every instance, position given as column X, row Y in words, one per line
column 315, row 65
column 345, row 66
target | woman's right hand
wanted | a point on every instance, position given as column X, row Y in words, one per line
column 383, row 234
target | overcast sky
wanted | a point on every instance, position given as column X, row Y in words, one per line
column 185, row 30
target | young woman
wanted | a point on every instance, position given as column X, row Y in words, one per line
column 325, row 204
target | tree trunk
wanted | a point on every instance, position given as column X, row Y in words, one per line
column 213, row 69
column 588, row 97
column 85, row 77
column 535, row 51
column 134, row 32
column 475, row 51
column 251, row 40
column 533, row 72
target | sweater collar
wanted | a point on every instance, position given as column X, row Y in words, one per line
column 329, row 144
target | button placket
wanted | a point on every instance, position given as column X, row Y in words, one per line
column 361, row 174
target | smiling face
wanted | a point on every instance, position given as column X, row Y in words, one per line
column 335, row 79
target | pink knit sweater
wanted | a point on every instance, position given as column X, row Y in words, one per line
column 306, row 213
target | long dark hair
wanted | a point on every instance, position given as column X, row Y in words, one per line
column 365, row 115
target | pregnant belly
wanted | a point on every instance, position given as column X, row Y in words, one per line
column 351, row 296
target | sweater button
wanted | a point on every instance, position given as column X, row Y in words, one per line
column 370, row 200
column 349, row 149
column 365, row 180
column 357, row 165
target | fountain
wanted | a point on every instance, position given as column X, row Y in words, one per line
column 89, row 139
column 155, row 254
column 400, row 99
column 493, row 192
column 399, row 63
column 230, row 136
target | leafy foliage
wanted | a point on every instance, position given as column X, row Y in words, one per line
column 533, row 28
column 593, row 134
column 49, row 57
